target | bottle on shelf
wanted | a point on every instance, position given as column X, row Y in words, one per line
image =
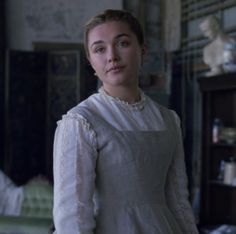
column 221, row 171
column 216, row 128
column 230, row 171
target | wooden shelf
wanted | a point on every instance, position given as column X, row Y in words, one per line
column 218, row 101
column 220, row 82
column 220, row 183
column 222, row 144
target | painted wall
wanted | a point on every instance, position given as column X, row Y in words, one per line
column 60, row 21
column 31, row 21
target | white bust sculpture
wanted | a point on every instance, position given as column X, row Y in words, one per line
column 220, row 53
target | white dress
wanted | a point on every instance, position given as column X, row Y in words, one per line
column 119, row 169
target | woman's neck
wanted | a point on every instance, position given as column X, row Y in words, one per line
column 130, row 95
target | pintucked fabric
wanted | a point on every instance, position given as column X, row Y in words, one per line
column 119, row 168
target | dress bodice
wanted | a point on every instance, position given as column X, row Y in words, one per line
column 119, row 169
column 131, row 172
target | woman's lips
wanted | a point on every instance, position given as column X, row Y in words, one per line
column 115, row 69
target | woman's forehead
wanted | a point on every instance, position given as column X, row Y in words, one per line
column 111, row 26
column 109, row 29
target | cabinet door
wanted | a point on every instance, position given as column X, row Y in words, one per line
column 25, row 98
column 40, row 88
column 65, row 89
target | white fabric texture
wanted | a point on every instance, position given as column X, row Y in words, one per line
column 89, row 154
column 11, row 196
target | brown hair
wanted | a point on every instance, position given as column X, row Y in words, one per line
column 113, row 15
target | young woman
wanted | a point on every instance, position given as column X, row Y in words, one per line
column 118, row 156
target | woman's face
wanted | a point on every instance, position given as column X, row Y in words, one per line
column 115, row 54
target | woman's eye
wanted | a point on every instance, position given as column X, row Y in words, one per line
column 123, row 43
column 99, row 50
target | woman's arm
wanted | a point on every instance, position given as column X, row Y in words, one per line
column 176, row 188
column 74, row 175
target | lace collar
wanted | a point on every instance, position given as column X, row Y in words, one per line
column 138, row 106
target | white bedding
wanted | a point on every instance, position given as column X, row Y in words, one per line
column 11, row 196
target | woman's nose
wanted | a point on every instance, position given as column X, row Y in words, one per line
column 113, row 55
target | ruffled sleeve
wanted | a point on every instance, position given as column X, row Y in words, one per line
column 176, row 188
column 74, row 175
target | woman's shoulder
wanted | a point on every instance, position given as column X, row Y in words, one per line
column 76, row 118
column 81, row 112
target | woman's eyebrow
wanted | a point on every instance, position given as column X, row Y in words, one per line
column 122, row 35
column 96, row 42
column 116, row 37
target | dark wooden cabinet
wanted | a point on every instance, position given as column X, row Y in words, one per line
column 25, row 111
column 39, row 88
column 218, row 200
column 2, row 74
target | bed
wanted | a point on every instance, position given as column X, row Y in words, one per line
column 26, row 209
